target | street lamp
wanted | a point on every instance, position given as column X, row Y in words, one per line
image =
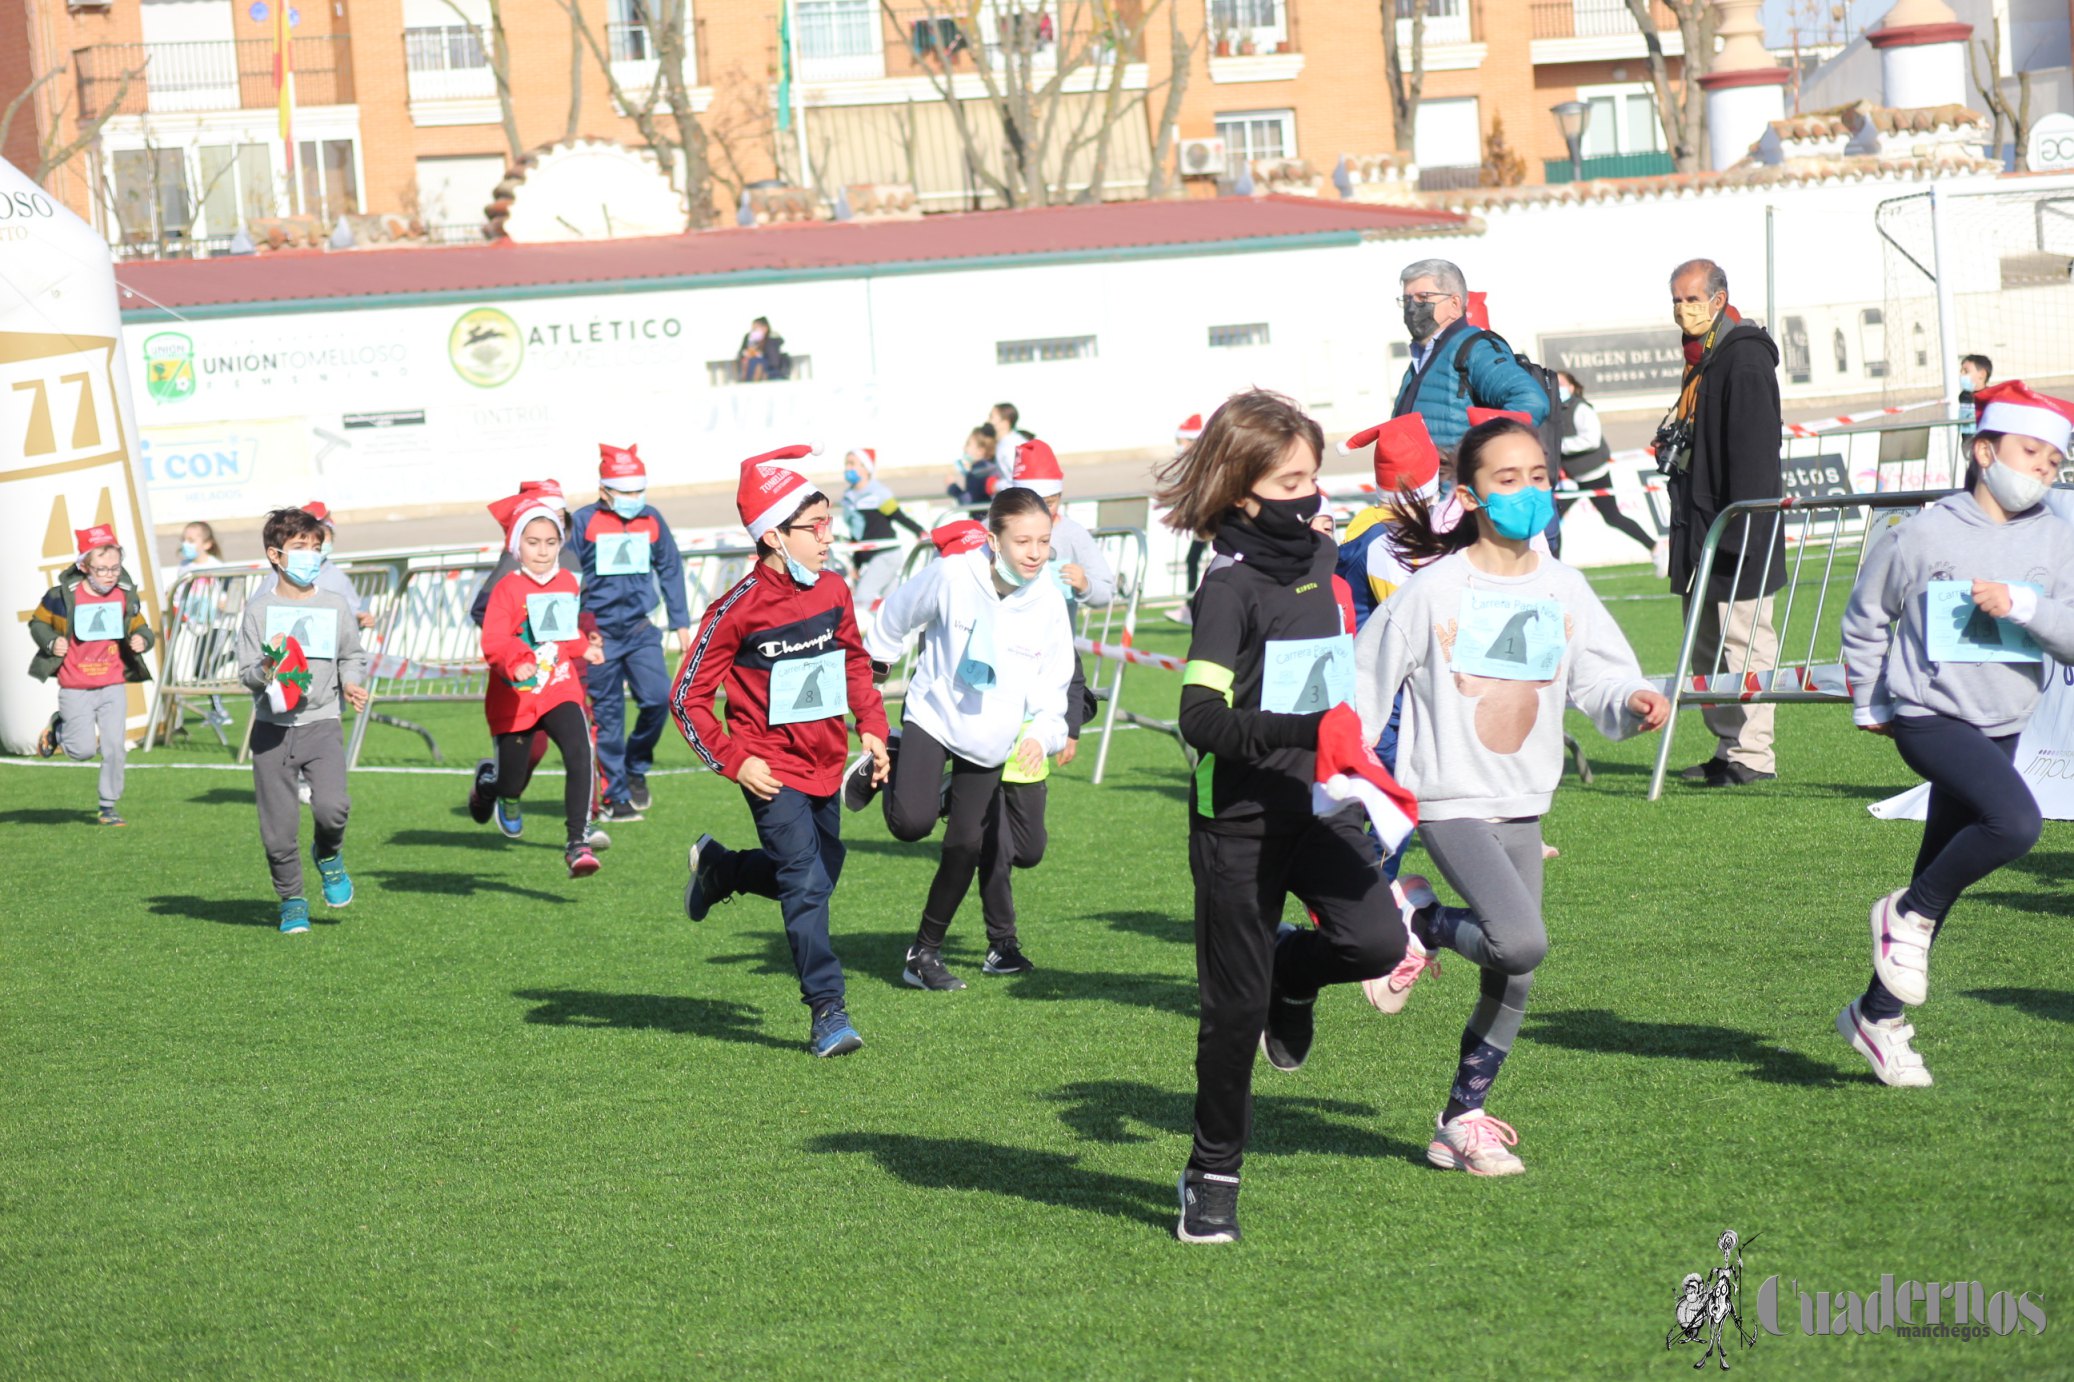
column 1573, row 118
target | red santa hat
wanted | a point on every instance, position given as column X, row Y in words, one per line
column 1479, row 416
column 769, row 493
column 515, row 512
column 1348, row 770
column 548, row 492
column 290, row 681
column 1037, row 469
column 88, row 539
column 1189, row 430
column 864, row 458
column 319, row 510
column 959, row 535
column 1478, row 311
column 1405, row 456
column 2014, row 406
column 620, row 468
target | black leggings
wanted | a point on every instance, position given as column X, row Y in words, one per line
column 1609, row 510
column 912, row 799
column 1016, row 838
column 570, row 729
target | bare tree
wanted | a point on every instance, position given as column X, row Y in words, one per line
column 678, row 142
column 739, row 129
column 2016, row 114
column 1181, row 50
column 499, row 55
column 1405, row 87
column 1681, row 108
column 53, row 151
column 574, row 126
column 1024, row 54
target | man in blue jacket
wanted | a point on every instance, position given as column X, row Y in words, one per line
column 1436, row 305
column 630, row 561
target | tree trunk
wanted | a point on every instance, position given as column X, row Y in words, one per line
column 1405, row 87
column 1181, row 62
column 574, row 125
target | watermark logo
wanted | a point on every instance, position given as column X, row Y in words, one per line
column 169, row 366
column 1907, row 1309
column 486, row 347
column 1709, row 1309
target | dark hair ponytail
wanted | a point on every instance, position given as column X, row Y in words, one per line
column 1413, row 534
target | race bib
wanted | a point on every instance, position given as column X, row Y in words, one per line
column 1302, row 676
column 624, row 554
column 1509, row 638
column 315, row 629
column 551, row 617
column 809, row 688
column 96, row 621
column 1957, row 630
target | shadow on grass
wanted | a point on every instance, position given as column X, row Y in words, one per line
column 49, row 815
column 460, row 885
column 1283, row 1124
column 1597, row 1030
column 1161, row 992
column 2049, row 903
column 2049, row 864
column 482, row 837
column 1049, row 1178
column 2056, row 1005
column 879, row 955
column 650, row 1012
column 237, row 911
column 1160, row 926
column 222, row 796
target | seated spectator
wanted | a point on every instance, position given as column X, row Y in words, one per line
column 762, row 354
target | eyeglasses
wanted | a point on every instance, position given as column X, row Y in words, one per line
column 1409, row 298
column 821, row 528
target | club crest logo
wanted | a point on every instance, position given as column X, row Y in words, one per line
column 486, row 347
column 169, row 366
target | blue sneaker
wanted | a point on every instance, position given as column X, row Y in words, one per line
column 510, row 819
column 295, row 916
column 705, row 887
column 832, row 1034
column 338, row 889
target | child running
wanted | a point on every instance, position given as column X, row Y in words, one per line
column 988, row 689
column 872, row 514
column 1945, row 640
column 536, row 648
column 299, row 651
column 1487, row 639
column 783, row 646
column 1269, row 658
column 91, row 634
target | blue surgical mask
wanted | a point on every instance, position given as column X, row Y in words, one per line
column 302, row 565
column 1565, row 394
column 1010, row 577
column 628, row 505
column 1520, row 514
column 852, row 477
column 800, row 571
column 325, row 550
column 188, row 551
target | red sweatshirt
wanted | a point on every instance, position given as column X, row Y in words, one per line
column 510, row 640
column 783, row 654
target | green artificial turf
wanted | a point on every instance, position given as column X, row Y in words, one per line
column 489, row 1122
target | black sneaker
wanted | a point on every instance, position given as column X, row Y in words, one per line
column 858, row 788
column 1209, row 1208
column 1006, row 959
column 925, row 970
column 708, row 885
column 637, row 791
column 1736, row 775
column 1290, row 1026
column 832, row 1034
column 47, row 741
column 619, row 813
column 1704, row 772
column 480, row 803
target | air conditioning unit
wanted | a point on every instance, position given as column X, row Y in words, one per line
column 1201, row 158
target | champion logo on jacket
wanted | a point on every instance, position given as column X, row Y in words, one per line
column 808, row 636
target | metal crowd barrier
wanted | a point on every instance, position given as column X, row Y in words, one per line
column 200, row 663
column 1130, row 554
column 1828, row 538
column 424, row 646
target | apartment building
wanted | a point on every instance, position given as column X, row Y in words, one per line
column 396, row 109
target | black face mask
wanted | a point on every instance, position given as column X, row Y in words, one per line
column 1287, row 519
column 1418, row 319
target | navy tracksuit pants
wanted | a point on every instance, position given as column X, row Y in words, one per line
column 633, row 662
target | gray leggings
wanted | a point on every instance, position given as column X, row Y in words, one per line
column 1496, row 867
column 92, row 718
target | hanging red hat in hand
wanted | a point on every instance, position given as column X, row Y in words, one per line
column 620, row 468
column 288, row 676
column 1405, row 456
column 1037, row 469
column 769, row 493
column 2014, row 406
column 959, row 535
column 1348, row 770
column 1479, row 416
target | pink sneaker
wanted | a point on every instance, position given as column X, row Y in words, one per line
column 1477, row 1143
column 1390, row 993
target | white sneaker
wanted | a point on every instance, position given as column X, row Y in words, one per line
column 1901, row 949
column 1660, row 558
column 1885, row 1047
column 1476, row 1143
column 1389, row 994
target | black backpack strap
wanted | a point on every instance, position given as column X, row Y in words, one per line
column 1462, row 355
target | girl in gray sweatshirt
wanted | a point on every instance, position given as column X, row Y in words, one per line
column 1945, row 640
column 1488, row 639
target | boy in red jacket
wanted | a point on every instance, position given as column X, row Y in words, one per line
column 783, row 646
column 534, row 644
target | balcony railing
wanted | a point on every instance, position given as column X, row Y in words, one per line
column 629, row 42
column 933, row 37
column 448, row 63
column 1447, row 21
column 1242, row 28
column 1646, row 165
column 1595, row 19
column 225, row 75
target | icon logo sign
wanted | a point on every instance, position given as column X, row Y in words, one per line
column 169, row 366
column 486, row 347
column 1709, row 1308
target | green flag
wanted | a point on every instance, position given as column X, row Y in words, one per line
column 785, row 65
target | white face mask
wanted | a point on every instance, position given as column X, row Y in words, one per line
column 541, row 577
column 2014, row 490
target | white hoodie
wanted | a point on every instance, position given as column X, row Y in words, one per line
column 1032, row 639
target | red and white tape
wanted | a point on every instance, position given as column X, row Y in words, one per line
column 1123, row 652
column 1830, row 424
